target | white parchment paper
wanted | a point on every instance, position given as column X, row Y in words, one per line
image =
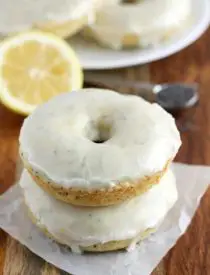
column 192, row 182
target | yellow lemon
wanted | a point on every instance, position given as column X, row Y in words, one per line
column 34, row 67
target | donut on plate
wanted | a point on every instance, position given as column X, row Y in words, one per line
column 63, row 18
column 96, row 147
column 83, row 13
column 138, row 24
column 99, row 228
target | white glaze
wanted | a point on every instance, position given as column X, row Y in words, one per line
column 84, row 226
column 56, row 140
column 149, row 20
column 26, row 13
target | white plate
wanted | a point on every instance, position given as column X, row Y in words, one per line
column 93, row 56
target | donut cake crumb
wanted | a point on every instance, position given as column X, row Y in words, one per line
column 99, row 197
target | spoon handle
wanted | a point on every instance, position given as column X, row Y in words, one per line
column 141, row 89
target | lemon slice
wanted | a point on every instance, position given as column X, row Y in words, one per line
column 34, row 67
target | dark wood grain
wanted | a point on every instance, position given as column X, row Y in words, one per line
column 191, row 255
column 3, row 247
column 192, row 64
column 9, row 130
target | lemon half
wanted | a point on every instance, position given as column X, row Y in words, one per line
column 34, row 67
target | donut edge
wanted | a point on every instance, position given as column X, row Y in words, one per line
column 65, row 29
column 97, row 197
column 99, row 247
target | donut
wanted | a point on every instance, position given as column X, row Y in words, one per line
column 99, row 229
column 96, row 147
column 67, row 28
column 63, row 18
column 139, row 24
column 63, row 29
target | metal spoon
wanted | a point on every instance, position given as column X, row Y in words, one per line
column 172, row 97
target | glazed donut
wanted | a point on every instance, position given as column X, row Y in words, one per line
column 99, row 228
column 63, row 17
column 63, row 29
column 141, row 24
column 67, row 28
column 95, row 147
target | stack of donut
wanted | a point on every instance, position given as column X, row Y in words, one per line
column 121, row 24
column 139, row 23
column 97, row 168
column 62, row 17
column 115, row 24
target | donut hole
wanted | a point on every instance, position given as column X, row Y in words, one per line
column 103, row 133
column 99, row 132
column 129, row 1
column 98, row 141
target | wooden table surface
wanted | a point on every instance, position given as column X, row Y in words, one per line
column 191, row 255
